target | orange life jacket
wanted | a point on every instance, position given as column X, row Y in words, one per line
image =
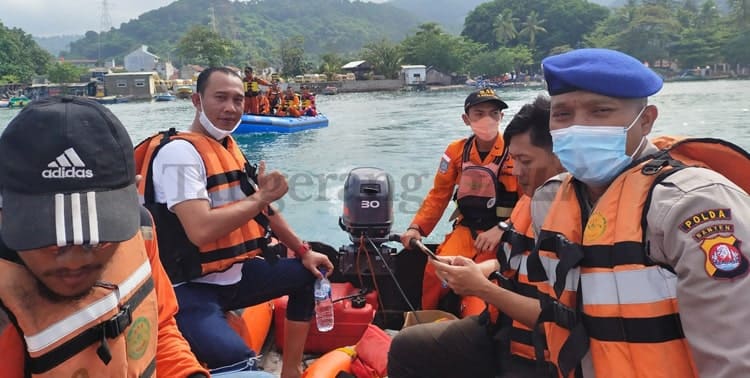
column 600, row 292
column 481, row 197
column 252, row 88
column 230, row 178
column 308, row 100
column 290, row 101
column 112, row 332
column 517, row 243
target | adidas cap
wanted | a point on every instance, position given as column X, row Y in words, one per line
column 67, row 176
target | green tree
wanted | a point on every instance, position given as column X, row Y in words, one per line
column 505, row 27
column 65, row 73
column 385, row 57
column 741, row 13
column 566, row 22
column 330, row 64
column 521, row 56
column 20, row 57
column 201, row 45
column 433, row 47
column 736, row 51
column 490, row 63
column 291, row 54
column 531, row 27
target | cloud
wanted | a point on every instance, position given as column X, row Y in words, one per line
column 45, row 17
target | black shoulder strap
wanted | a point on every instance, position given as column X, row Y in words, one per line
column 148, row 192
column 466, row 156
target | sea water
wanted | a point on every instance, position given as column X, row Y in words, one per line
column 405, row 133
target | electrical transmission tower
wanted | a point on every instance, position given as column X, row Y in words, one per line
column 104, row 25
column 213, row 19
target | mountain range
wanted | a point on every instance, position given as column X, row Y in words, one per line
column 258, row 26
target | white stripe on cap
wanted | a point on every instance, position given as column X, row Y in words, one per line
column 75, row 212
column 74, row 158
column 60, row 219
column 93, row 218
column 87, row 315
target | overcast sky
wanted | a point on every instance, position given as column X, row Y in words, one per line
column 57, row 17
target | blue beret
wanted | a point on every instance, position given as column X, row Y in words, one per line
column 607, row 72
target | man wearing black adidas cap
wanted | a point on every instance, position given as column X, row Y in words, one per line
column 80, row 269
column 479, row 171
column 640, row 258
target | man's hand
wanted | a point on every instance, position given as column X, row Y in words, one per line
column 462, row 275
column 408, row 235
column 271, row 186
column 487, row 241
column 313, row 261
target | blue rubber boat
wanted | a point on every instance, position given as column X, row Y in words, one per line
column 270, row 124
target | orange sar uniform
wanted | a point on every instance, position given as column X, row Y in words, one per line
column 461, row 240
column 142, row 339
column 651, row 280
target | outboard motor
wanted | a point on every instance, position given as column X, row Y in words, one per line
column 367, row 218
column 368, row 204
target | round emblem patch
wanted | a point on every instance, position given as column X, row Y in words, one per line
column 491, row 203
column 594, row 228
column 138, row 338
column 725, row 257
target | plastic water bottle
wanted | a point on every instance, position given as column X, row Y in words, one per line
column 323, row 304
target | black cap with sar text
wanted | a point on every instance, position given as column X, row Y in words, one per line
column 482, row 96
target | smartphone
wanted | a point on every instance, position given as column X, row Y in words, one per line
column 418, row 244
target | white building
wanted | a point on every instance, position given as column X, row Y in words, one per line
column 141, row 60
column 414, row 74
column 166, row 70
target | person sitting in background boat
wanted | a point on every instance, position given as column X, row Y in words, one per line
column 81, row 275
column 264, row 107
column 290, row 104
column 252, row 91
column 215, row 218
column 274, row 99
column 308, row 102
column 477, row 172
column 490, row 345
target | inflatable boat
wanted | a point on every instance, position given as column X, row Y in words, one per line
column 270, row 124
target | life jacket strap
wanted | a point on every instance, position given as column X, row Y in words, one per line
column 110, row 328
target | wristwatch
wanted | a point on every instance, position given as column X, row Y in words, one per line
column 505, row 226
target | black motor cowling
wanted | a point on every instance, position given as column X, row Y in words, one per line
column 368, row 204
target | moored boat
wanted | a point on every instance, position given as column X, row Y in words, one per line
column 330, row 90
column 184, row 91
column 164, row 96
column 18, row 101
column 109, row 100
column 252, row 123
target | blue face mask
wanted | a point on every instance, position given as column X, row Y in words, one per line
column 594, row 155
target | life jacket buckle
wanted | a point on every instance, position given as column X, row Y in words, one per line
column 654, row 166
column 563, row 315
column 118, row 323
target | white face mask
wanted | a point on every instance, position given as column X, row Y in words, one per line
column 486, row 128
column 211, row 129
